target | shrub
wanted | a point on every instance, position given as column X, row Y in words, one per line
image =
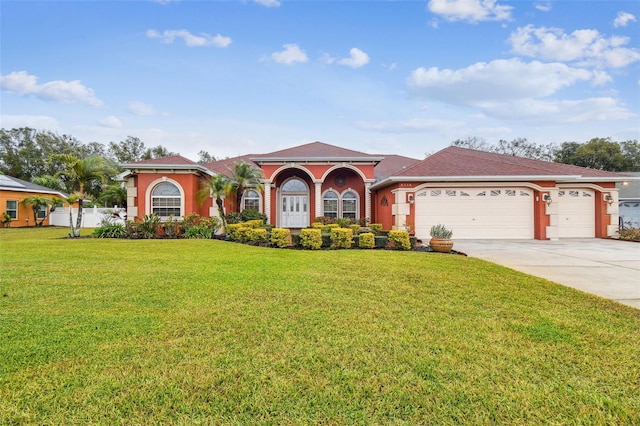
column 233, row 230
column 110, row 230
column 381, row 241
column 280, row 237
column 440, row 231
column 323, row 219
column 341, row 238
column 366, row 240
column 326, row 240
column 252, row 214
column 198, row 232
column 355, row 228
column 311, row 238
column 376, row 228
column 257, row 236
column 318, row 225
column 171, row 227
column 213, row 223
column 253, row 223
column 149, row 226
column 400, row 240
column 629, row 234
column 233, row 217
column 343, row 222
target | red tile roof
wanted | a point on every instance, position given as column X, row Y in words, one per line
column 455, row 161
column 174, row 159
column 317, row 150
column 225, row 166
column 391, row 165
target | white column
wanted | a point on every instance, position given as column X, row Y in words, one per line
column 267, row 199
column 367, row 201
column 318, row 186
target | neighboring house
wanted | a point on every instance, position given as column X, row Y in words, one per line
column 13, row 191
column 629, row 201
column 477, row 194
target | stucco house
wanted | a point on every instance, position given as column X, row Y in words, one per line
column 477, row 194
column 14, row 191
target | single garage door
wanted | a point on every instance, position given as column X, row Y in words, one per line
column 576, row 213
column 480, row 213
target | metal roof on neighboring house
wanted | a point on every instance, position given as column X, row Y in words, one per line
column 10, row 183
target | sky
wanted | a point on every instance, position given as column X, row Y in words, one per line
column 380, row 77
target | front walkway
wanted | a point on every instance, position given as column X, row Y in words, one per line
column 607, row 268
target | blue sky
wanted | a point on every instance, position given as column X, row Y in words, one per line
column 401, row 77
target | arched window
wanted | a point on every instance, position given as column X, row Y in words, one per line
column 330, row 204
column 294, row 185
column 349, row 205
column 251, row 200
column 166, row 200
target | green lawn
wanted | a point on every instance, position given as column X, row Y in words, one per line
column 206, row 332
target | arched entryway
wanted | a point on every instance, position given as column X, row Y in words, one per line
column 294, row 204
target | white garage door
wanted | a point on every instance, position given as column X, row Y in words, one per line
column 576, row 213
column 480, row 213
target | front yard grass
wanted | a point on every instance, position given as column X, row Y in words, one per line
column 96, row 331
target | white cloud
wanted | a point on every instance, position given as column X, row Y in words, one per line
column 33, row 121
column 268, row 3
column 585, row 46
column 561, row 111
column 191, row 40
column 499, row 80
column 111, row 121
column 623, row 19
column 357, row 58
column 291, row 54
column 470, row 10
column 22, row 83
column 543, row 7
column 141, row 109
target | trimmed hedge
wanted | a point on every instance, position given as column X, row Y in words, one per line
column 280, row 237
column 400, row 240
column 341, row 238
column 311, row 238
column 257, row 235
column 366, row 240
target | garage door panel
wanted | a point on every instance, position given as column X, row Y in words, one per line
column 476, row 212
column 576, row 213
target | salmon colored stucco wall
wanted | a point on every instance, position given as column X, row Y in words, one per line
column 190, row 184
column 24, row 212
column 382, row 213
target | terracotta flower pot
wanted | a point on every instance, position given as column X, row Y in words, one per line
column 442, row 245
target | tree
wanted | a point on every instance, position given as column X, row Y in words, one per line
column 598, row 153
column 79, row 175
column 49, row 181
column 133, row 149
column 243, row 177
column 218, row 186
column 519, row 147
column 25, row 152
column 41, row 203
column 472, row 142
column 114, row 195
column 204, row 157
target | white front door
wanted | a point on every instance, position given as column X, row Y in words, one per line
column 295, row 211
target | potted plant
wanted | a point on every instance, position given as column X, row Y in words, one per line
column 441, row 239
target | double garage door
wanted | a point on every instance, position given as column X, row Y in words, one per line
column 499, row 213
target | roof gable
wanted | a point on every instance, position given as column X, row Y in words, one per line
column 225, row 166
column 463, row 162
column 316, row 151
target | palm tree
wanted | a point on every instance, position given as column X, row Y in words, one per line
column 40, row 203
column 80, row 174
column 216, row 187
column 244, row 176
column 114, row 194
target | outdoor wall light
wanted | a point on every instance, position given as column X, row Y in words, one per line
column 547, row 199
column 608, row 198
column 411, row 199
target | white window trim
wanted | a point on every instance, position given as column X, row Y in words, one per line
column 17, row 209
column 148, row 195
column 244, row 199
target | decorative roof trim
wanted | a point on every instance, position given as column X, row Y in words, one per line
column 318, row 160
column 517, row 178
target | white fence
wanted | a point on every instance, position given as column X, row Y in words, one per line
column 91, row 217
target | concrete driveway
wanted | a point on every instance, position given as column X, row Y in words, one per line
column 607, row 268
